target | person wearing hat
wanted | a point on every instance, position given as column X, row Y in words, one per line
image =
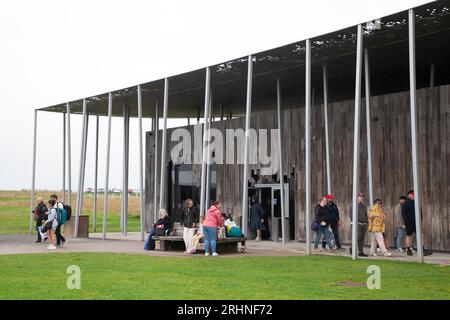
column 362, row 223
column 334, row 221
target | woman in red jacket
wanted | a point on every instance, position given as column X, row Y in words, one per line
column 213, row 220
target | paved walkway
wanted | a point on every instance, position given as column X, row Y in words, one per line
column 117, row 243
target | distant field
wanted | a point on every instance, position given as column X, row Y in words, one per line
column 15, row 211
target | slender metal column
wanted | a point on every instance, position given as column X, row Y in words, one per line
column 33, row 176
column 162, row 184
column 414, row 134
column 69, row 158
column 208, row 157
column 204, row 151
column 155, row 191
column 327, row 131
column 141, row 162
column 308, row 208
column 81, row 173
column 63, row 192
column 359, row 47
column 280, row 159
column 368, row 126
column 96, row 172
column 126, row 168
column 247, row 144
column 108, row 154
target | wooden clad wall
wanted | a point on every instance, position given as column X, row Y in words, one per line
column 392, row 171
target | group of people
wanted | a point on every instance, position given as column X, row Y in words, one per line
column 327, row 222
column 49, row 221
column 214, row 225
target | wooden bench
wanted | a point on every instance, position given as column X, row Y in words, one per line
column 175, row 242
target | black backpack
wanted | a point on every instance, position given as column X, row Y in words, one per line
column 68, row 211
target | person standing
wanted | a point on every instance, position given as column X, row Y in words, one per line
column 334, row 221
column 212, row 221
column 60, row 240
column 189, row 221
column 40, row 212
column 257, row 213
column 377, row 228
column 322, row 218
column 362, row 223
column 51, row 224
column 400, row 223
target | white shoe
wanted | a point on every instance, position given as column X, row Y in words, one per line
column 257, row 239
column 378, row 249
column 206, row 254
column 400, row 250
column 387, row 254
column 51, row 247
column 215, row 254
column 373, row 254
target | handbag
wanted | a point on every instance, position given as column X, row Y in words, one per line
column 315, row 226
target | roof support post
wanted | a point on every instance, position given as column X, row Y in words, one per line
column 327, row 131
column 33, row 175
column 208, row 156
column 108, row 155
column 280, row 159
column 141, row 162
column 414, row 135
column 308, row 208
column 82, row 168
column 432, row 76
column 162, row 190
column 126, row 150
column 368, row 126
column 69, row 158
column 96, row 172
column 356, row 136
column 247, row 145
column 205, row 120
column 155, row 191
column 63, row 192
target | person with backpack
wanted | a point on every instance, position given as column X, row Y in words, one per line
column 51, row 224
column 62, row 218
column 323, row 219
column 40, row 212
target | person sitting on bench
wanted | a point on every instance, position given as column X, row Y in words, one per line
column 160, row 228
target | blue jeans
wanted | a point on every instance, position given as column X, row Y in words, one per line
column 150, row 243
column 210, row 238
column 401, row 232
column 326, row 234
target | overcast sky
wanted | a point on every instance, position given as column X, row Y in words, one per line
column 53, row 51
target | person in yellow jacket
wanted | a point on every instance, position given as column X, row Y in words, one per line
column 376, row 229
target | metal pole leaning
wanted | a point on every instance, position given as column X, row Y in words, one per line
column 208, row 152
column 141, row 162
column 280, row 159
column 80, row 185
column 63, row 192
column 94, row 227
column 247, row 144
column 33, row 176
column 108, row 154
column 155, row 191
column 127, row 169
column 414, row 135
column 327, row 131
column 368, row 128
column 308, row 208
column 205, row 118
column 164, row 146
column 359, row 46
column 69, row 158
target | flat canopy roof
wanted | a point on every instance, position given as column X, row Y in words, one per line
column 386, row 41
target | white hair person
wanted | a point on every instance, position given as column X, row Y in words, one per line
column 163, row 213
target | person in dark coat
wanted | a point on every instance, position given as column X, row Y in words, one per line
column 334, row 222
column 40, row 215
column 189, row 220
column 257, row 213
column 160, row 228
column 323, row 219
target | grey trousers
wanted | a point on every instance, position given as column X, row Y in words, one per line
column 362, row 231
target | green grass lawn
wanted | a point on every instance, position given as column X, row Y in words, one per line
column 15, row 214
column 124, row 276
